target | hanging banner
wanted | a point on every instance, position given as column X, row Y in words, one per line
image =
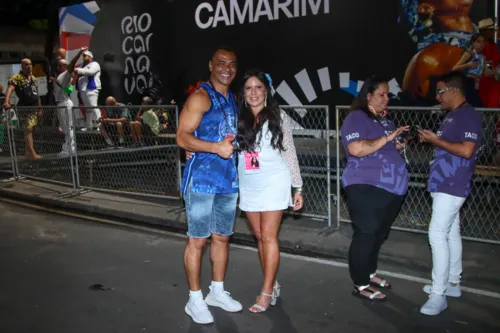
column 317, row 51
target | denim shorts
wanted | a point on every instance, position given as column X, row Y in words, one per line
column 209, row 213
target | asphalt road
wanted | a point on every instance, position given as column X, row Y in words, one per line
column 69, row 275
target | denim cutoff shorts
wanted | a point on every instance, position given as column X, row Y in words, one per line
column 210, row 213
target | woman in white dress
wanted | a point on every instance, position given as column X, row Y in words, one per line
column 268, row 168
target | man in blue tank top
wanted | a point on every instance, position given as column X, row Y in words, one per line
column 207, row 127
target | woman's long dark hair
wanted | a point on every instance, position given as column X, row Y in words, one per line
column 249, row 126
column 361, row 101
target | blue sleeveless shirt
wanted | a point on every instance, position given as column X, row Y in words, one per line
column 210, row 173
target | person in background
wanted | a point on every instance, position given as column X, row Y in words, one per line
column 472, row 63
column 62, row 95
column 26, row 89
column 489, row 86
column 116, row 121
column 88, row 85
column 53, row 73
column 146, row 122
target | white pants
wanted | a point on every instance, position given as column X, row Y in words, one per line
column 445, row 240
column 89, row 99
column 65, row 117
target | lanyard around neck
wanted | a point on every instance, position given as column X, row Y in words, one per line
column 224, row 114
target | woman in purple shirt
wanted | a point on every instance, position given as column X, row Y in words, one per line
column 375, row 180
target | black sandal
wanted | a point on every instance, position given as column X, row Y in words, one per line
column 383, row 283
column 372, row 294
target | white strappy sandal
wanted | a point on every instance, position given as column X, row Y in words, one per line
column 260, row 307
column 276, row 290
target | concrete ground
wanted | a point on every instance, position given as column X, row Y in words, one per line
column 403, row 252
column 63, row 274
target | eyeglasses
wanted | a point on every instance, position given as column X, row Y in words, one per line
column 442, row 91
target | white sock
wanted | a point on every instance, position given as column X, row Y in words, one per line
column 195, row 294
column 109, row 142
column 218, row 286
column 121, row 140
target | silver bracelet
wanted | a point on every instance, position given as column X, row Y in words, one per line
column 297, row 190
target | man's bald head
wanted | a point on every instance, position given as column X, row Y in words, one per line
column 62, row 65
column 61, row 53
column 26, row 66
column 111, row 101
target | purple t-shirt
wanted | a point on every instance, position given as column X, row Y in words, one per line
column 384, row 168
column 449, row 173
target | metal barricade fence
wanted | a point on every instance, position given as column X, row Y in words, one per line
column 311, row 133
column 135, row 155
column 38, row 145
column 480, row 215
column 7, row 158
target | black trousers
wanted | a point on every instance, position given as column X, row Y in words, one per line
column 373, row 211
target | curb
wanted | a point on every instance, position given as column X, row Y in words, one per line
column 299, row 248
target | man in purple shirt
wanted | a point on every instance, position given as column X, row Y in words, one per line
column 457, row 143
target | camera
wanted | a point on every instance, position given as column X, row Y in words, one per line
column 412, row 132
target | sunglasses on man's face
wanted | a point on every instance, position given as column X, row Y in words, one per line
column 442, row 91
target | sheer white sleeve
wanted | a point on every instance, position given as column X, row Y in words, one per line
column 290, row 153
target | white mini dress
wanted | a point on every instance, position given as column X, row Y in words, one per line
column 269, row 187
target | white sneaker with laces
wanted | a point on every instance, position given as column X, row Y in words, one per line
column 452, row 291
column 197, row 309
column 435, row 305
column 223, row 300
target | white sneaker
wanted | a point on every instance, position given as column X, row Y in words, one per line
column 452, row 291
column 197, row 309
column 223, row 300
column 435, row 305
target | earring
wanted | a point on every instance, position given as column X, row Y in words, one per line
column 428, row 22
column 246, row 104
column 265, row 101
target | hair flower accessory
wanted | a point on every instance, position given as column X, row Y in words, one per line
column 268, row 77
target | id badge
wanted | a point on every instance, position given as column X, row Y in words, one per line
column 33, row 90
column 252, row 162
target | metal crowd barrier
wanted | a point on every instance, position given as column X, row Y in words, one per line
column 8, row 166
column 128, row 157
column 148, row 165
column 107, row 159
column 153, row 167
column 311, row 131
column 480, row 215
